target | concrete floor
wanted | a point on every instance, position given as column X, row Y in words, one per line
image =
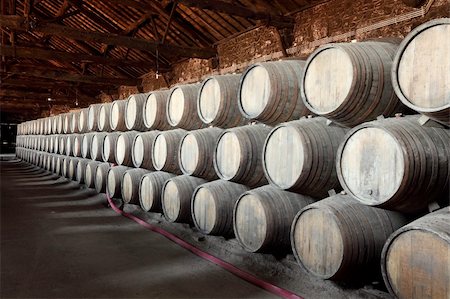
column 59, row 241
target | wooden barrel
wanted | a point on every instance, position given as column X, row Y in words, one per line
column 142, row 150
column 134, row 112
column 75, row 119
column 300, row 156
column 381, row 163
column 97, row 146
column 340, row 239
column 109, row 147
column 355, row 88
column 60, row 123
column 67, row 119
column 124, row 148
column 55, row 144
column 114, row 181
column 117, row 117
column 54, row 124
column 176, row 197
column 415, row 261
column 86, row 144
column 83, row 120
column 62, row 144
column 93, row 114
column 237, row 156
column 70, row 141
column 72, row 172
column 196, row 153
column 101, row 177
column 165, row 150
column 81, row 170
column 154, row 113
column 420, row 73
column 262, row 218
column 150, row 190
column 181, row 109
column 216, row 101
column 130, row 185
column 89, row 175
column 212, row 207
column 104, row 116
column 77, row 145
column 270, row 92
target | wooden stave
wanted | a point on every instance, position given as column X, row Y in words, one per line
column 136, row 175
column 253, row 137
column 120, row 125
column 93, row 113
column 157, row 179
column 173, row 139
column 89, row 175
column 407, row 198
column 438, row 114
column 100, row 177
column 361, row 259
column 115, row 191
column 186, row 186
column 206, row 140
column 138, row 124
column 83, row 121
column 128, row 138
column 111, row 156
column 225, row 194
column 160, row 122
column 228, row 115
column 190, row 119
column 97, row 143
column 147, row 139
column 105, row 126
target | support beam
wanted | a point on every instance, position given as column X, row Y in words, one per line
column 19, row 23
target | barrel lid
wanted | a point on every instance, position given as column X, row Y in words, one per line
column 106, row 148
column 130, row 112
column 254, row 91
column 92, row 116
column 171, row 200
column 111, row 185
column 189, row 154
column 175, row 106
column 102, row 118
column 115, row 114
column 328, row 79
column 204, row 209
column 228, row 155
column 127, row 188
column 121, row 149
column 138, row 151
column 147, row 192
column 209, row 100
column 159, row 152
column 94, row 146
column 371, row 165
column 151, row 110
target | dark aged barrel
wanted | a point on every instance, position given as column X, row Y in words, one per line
column 181, row 109
column 165, row 150
column 124, row 147
column 93, row 114
column 262, row 218
column 270, row 91
column 109, row 147
column 217, row 101
column 176, row 197
column 300, row 156
column 77, row 145
column 237, row 156
column 101, row 174
column 89, row 175
column 340, row 239
column 416, row 258
column 81, row 170
column 142, row 150
column 97, row 146
column 356, row 87
column 73, row 164
column 83, row 120
column 420, row 73
column 70, row 140
column 74, row 122
column 86, row 144
column 150, row 190
column 130, row 185
column 114, row 181
column 117, row 117
column 395, row 164
column 196, row 153
column 154, row 113
column 212, row 207
column 104, row 115
column 134, row 112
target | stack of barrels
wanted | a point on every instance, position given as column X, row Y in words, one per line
column 329, row 161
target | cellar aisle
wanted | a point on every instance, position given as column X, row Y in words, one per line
column 58, row 240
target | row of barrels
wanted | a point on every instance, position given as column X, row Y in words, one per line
column 378, row 163
column 365, row 80
column 336, row 238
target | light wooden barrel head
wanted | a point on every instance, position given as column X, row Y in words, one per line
column 209, row 100
column 255, row 91
column 419, row 272
column 189, row 154
column 88, row 176
column 130, row 112
column 95, row 145
column 228, row 155
column 151, row 110
column 85, row 147
column 318, row 242
column 175, row 106
column 250, row 222
column 106, row 148
column 159, row 152
column 284, row 170
column 102, row 118
column 372, row 165
column 204, row 209
column 171, row 200
column 121, row 149
column 111, row 183
column 115, row 115
column 138, row 150
column 127, row 187
column 328, row 80
column 92, row 115
column 423, row 70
